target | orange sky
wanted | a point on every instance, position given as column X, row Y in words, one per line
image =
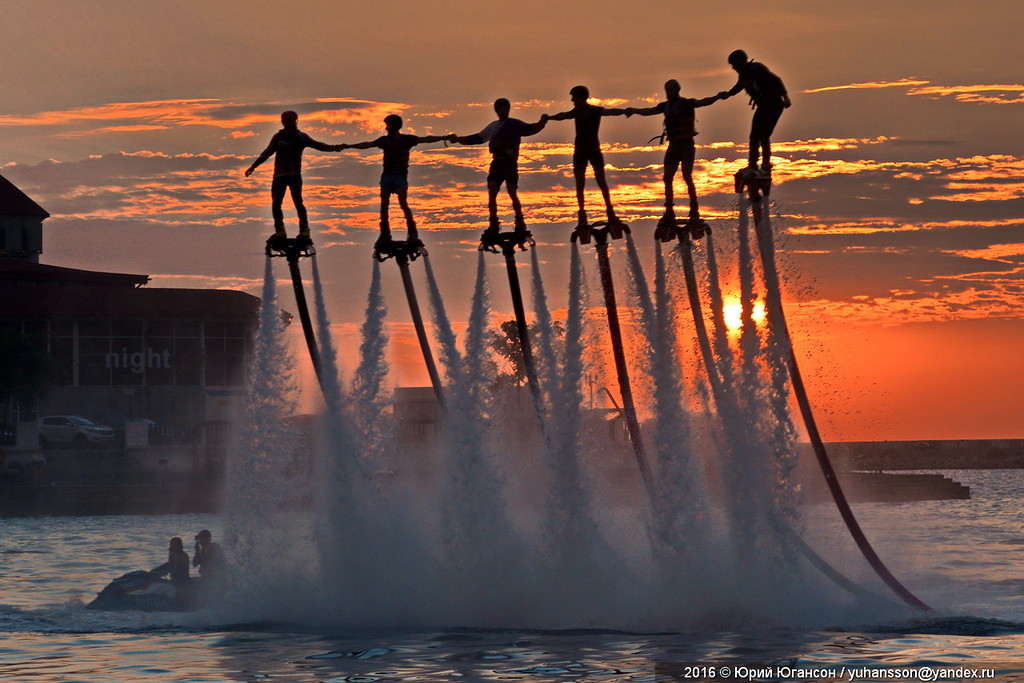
column 898, row 168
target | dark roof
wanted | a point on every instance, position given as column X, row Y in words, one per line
column 39, row 291
column 80, row 303
column 14, row 202
column 26, row 271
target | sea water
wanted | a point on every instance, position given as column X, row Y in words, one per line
column 963, row 557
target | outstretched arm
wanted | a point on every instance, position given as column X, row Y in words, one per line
column 643, row 111
column 562, row 116
column 322, row 146
column 264, row 155
column 708, row 100
column 726, row 94
column 606, row 111
column 483, row 136
column 534, row 128
column 369, row 144
column 423, row 139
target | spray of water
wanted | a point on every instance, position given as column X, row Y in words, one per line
column 369, row 396
column 750, row 339
column 783, row 431
column 330, row 384
column 676, row 526
column 264, row 439
column 344, row 467
column 720, row 337
column 576, row 552
column 473, row 511
column 468, row 550
column 262, row 476
column 544, row 350
column 748, row 426
column 450, row 356
column 731, row 431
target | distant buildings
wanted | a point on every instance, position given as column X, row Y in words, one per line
column 114, row 349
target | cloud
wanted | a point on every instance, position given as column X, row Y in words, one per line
column 871, row 226
column 988, row 300
column 870, row 85
column 162, row 114
column 112, row 129
column 447, row 182
column 174, row 280
column 852, row 199
column 447, row 186
column 982, row 94
column 1005, row 253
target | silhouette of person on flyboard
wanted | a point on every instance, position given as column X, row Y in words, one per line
column 768, row 97
column 287, row 145
column 503, row 137
column 680, row 130
column 394, row 179
column 587, row 150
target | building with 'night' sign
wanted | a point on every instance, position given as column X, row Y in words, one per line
column 111, row 347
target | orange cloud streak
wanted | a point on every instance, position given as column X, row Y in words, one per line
column 204, row 112
column 1007, row 94
column 871, row 85
column 870, row 226
column 983, row 94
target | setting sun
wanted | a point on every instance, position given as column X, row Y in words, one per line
column 733, row 312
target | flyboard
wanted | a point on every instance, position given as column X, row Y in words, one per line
column 292, row 249
column 685, row 230
column 404, row 251
column 757, row 186
column 601, row 232
column 506, row 243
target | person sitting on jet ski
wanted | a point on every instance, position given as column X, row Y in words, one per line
column 208, row 556
column 176, row 566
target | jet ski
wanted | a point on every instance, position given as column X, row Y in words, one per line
column 141, row 590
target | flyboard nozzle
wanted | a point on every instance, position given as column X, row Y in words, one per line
column 506, row 242
column 291, row 248
column 753, row 180
column 402, row 251
column 601, row 231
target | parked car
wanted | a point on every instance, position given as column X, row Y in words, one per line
column 73, row 429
